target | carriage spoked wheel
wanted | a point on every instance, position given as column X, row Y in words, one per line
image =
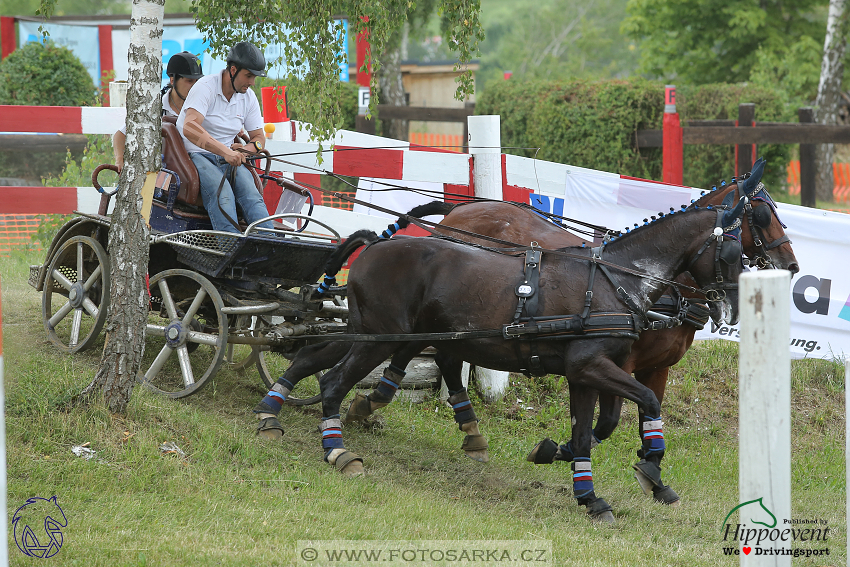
column 186, row 333
column 271, row 366
column 76, row 294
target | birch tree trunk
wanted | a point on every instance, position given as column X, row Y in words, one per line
column 392, row 91
column 128, row 234
column 829, row 92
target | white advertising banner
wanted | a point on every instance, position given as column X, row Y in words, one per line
column 819, row 294
column 81, row 40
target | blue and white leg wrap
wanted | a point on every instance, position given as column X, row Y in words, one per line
column 582, row 477
column 277, row 395
column 331, row 434
column 391, row 229
column 653, row 436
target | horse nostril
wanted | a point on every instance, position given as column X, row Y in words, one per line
column 794, row 268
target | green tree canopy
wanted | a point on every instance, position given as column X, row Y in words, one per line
column 725, row 41
column 312, row 44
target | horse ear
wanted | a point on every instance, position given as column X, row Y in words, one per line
column 730, row 216
column 729, row 200
column 752, row 181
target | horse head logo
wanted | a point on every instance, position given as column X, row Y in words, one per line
column 38, row 527
column 757, row 505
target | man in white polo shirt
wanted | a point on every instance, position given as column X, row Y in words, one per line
column 216, row 110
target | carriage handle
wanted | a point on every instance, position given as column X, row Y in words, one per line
column 253, row 226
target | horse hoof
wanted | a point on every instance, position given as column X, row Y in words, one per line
column 270, row 428
column 600, row 512
column 543, row 453
column 480, row 456
column 359, row 410
column 667, row 495
column 648, row 475
column 604, row 518
column 645, row 484
column 349, row 464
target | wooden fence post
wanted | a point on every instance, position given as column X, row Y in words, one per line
column 806, row 115
column 744, row 154
column 764, row 419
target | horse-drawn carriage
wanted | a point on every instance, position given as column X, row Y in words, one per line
column 214, row 296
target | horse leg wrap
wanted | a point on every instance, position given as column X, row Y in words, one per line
column 582, row 480
column 327, row 283
column 271, row 404
column 463, row 408
column 653, row 437
column 331, row 434
column 388, row 386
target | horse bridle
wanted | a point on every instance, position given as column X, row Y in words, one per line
column 727, row 249
column 758, row 222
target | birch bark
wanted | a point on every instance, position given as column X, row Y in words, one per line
column 829, row 92
column 128, row 235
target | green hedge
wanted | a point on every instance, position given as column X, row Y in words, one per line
column 593, row 123
column 45, row 75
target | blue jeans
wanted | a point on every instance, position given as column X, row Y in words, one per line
column 211, row 168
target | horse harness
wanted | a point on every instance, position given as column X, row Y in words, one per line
column 529, row 329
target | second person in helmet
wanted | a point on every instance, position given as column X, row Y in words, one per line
column 184, row 69
column 216, row 110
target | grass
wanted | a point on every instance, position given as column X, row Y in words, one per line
column 237, row 500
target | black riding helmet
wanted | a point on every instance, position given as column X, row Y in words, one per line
column 245, row 55
column 184, row 64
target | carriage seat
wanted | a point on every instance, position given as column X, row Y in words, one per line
column 177, row 160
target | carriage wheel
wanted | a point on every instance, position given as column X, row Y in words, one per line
column 271, row 365
column 76, row 294
column 186, row 333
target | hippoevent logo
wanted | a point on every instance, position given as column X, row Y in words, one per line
column 38, row 527
column 771, row 538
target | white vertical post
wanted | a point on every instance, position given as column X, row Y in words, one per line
column 485, row 145
column 4, row 520
column 764, row 438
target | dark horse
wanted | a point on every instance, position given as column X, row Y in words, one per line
column 763, row 239
column 403, row 288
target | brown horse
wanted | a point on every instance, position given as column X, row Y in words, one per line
column 407, row 287
column 764, row 242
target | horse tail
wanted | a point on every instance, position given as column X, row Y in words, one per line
column 342, row 253
column 419, row 211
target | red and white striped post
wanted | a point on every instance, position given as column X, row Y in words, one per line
column 672, row 139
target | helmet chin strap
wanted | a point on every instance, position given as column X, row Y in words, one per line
column 233, row 78
column 177, row 91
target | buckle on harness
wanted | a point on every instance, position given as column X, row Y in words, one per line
column 507, row 330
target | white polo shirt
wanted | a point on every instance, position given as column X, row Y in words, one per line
column 223, row 119
column 166, row 110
